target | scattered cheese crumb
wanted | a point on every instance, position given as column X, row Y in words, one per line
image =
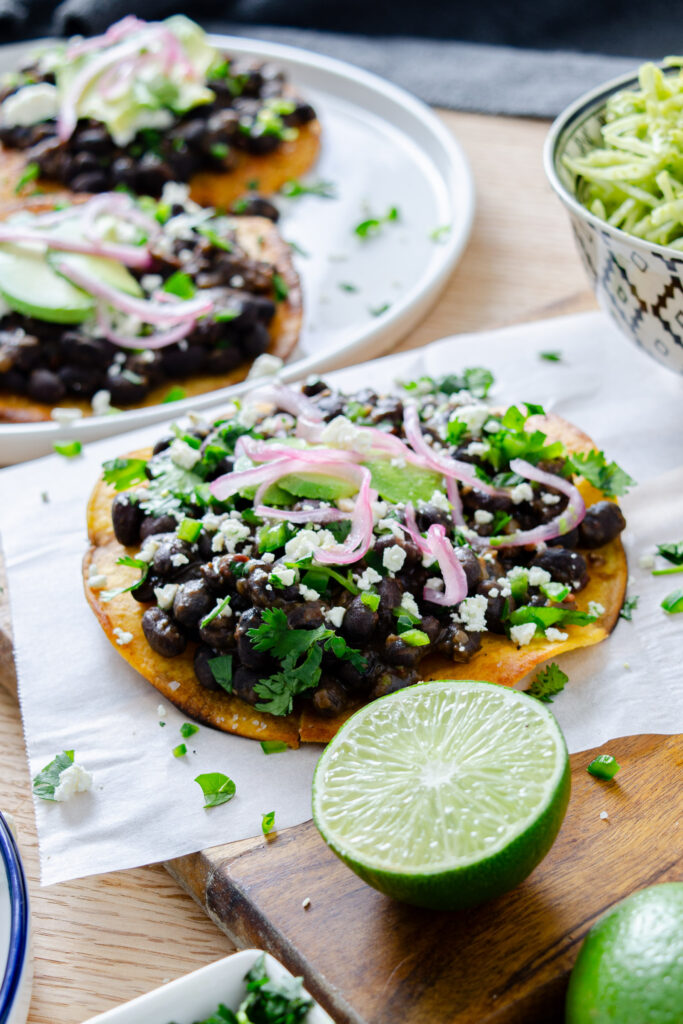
column 595, row 608
column 538, row 577
column 335, row 616
column 646, row 561
column 96, row 580
column 482, row 517
column 520, row 493
column 549, row 499
column 305, row 543
column 524, row 634
column 74, row 779
column 440, row 500
column 604, row 815
column 409, row 605
column 472, row 613
column 555, row 634
column 178, row 559
column 174, row 685
column 268, row 557
column 165, row 595
column 65, row 416
column 306, row 903
column 183, row 454
column 369, row 577
column 308, row 593
column 101, row 403
column 122, row 636
column 285, row 576
column 161, row 711
column 393, row 558
column 265, row 366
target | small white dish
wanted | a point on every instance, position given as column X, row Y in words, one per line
column 16, row 964
column 197, row 995
column 382, row 148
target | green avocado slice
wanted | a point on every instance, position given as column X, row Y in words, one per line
column 107, row 271
column 403, row 483
column 30, row 286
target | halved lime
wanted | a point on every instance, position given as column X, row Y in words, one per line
column 630, row 967
column 444, row 794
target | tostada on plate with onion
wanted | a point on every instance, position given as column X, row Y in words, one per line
column 309, row 551
column 147, row 103
column 118, row 302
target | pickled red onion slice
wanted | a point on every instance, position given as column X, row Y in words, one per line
column 129, row 255
column 454, row 578
column 288, row 400
column 160, row 339
column 557, row 527
column 450, row 467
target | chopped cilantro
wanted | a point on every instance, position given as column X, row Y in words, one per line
column 219, row 151
column 550, row 681
column 551, row 357
column 673, row 552
column 174, row 394
column 378, row 310
column 280, row 288
column 188, row 729
column 221, row 670
column 371, row 600
column 373, row 225
column 628, row 607
column 180, row 284
column 273, row 746
column 215, row 612
column 608, row 477
column 253, row 184
column 346, row 286
column 180, row 750
column 216, row 241
column 268, row 822
column 47, row 780
column 673, row 602
column 216, row 787
column 440, row 234
column 299, row 250
column 124, row 472
column 475, row 379
column 133, row 563
column 604, row 767
column 68, row 448
column 279, row 690
column 323, row 189
column 189, row 530
column 29, row 174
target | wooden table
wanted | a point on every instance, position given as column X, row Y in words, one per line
column 102, row 940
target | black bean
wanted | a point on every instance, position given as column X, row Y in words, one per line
column 89, row 181
column 220, row 633
column 428, row 515
column 191, row 603
column 126, row 517
column 123, row 171
column 145, row 592
column 497, row 605
column 256, row 206
column 202, row 669
column 564, row 566
column 163, row 443
column 256, row 341
column 171, row 557
column 151, row 174
column 243, row 681
column 157, row 524
column 122, row 389
column 602, row 523
column 81, row 380
column 387, row 541
column 163, row 634
column 178, row 362
column 81, row 350
column 259, row 142
column 94, row 140
column 458, row 645
column 308, row 615
column 565, row 540
column 329, row 697
column 392, row 679
column 46, row 386
column 314, row 386
column 360, row 621
column 472, row 567
column 249, row 656
column 398, row 652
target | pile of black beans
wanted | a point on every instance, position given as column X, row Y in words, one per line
column 49, row 362
column 206, row 138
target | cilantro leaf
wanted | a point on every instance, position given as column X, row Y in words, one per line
column 133, row 563
column 628, row 607
column 551, row 357
column 47, row 780
column 373, row 225
column 216, row 787
column 550, row 681
column 221, row 670
column 440, row 234
column 181, row 285
column 268, row 822
column 608, row 477
column 124, row 472
column 30, row 173
column 280, row 689
column 295, row 189
column 174, row 394
column 672, row 552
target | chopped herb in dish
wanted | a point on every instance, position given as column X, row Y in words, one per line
column 61, row 779
column 296, row 189
column 216, row 787
column 551, row 357
column 548, row 683
column 372, row 226
column 628, row 607
column 441, row 234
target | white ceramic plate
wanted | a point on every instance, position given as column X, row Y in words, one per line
column 381, row 148
column 198, row 994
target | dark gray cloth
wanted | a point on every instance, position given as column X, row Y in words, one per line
column 462, row 76
column 13, row 17
column 87, row 17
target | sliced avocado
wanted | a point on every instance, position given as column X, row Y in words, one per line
column 107, row 271
column 403, row 483
column 30, row 286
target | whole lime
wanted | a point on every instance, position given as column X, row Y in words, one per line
column 630, row 967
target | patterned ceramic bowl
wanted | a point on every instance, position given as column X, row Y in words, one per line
column 638, row 283
column 16, row 965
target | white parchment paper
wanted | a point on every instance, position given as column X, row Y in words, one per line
column 76, row 692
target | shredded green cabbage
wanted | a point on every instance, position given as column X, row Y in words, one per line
column 635, row 180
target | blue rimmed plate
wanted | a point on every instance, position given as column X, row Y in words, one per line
column 16, row 968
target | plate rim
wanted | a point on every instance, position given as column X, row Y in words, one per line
column 398, row 319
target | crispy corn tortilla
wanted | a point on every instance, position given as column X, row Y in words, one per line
column 261, row 240
column 498, row 660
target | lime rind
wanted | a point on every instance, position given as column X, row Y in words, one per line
column 445, row 794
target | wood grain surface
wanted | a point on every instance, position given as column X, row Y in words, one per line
column 102, row 940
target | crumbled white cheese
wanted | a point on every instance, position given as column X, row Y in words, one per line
column 538, row 577
column 523, row 634
column 555, row 634
column 306, row 903
column 409, row 605
column 393, row 558
column 165, row 595
column 151, row 282
column 308, row 593
column 366, row 579
column 521, row 492
column 516, row 572
column 65, row 417
column 101, row 403
column 379, row 511
column 434, row 583
column 96, row 580
column 221, row 613
column 265, row 366
column 392, row 525
column 161, row 711
column 74, row 779
column 268, row 557
column 342, row 433
column 272, row 424
column 285, row 576
column 472, row 613
column 122, row 636
column 30, row 105
column 428, row 560
column 477, row 448
column 174, row 193
column 646, row 561
column 148, row 549
column 439, row 500
column 183, row 454
column 595, row 608
column 398, row 462
column 335, row 616
column 482, row 517
column 473, row 416
column 230, row 533
column 549, row 499
column 494, row 592
column 178, row 559
column 604, row 815
column 306, row 542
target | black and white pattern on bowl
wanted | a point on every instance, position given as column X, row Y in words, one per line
column 641, row 289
